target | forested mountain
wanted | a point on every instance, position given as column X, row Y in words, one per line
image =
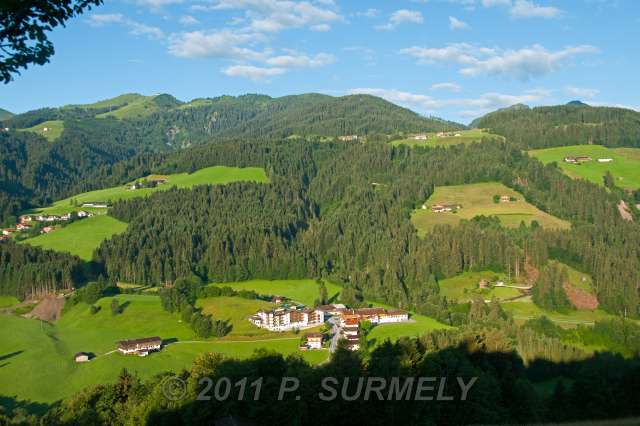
column 96, row 137
column 4, row 114
column 572, row 124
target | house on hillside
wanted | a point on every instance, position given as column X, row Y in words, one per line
column 420, row 137
column 81, row 357
column 23, row 227
column 314, row 340
column 348, row 138
column 351, row 317
column 505, row 198
column 8, row 231
column 96, row 204
column 583, row 159
column 46, row 229
column 140, row 347
column 25, row 218
column 278, row 299
column 441, row 208
column 482, row 284
column 605, row 160
column 83, row 213
column 571, row 160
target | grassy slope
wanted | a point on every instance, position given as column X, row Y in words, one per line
column 80, row 238
column 37, row 353
column 5, row 115
column 137, row 106
column 466, row 137
column 303, row 291
column 207, row 176
column 6, row 301
column 55, row 128
column 116, row 102
column 464, row 287
column 525, row 309
column 625, row 166
column 477, row 199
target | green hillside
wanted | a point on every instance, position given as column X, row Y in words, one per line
column 4, row 114
column 571, row 124
column 452, row 138
column 49, row 129
column 116, row 102
column 625, row 166
column 80, row 238
column 137, row 106
column 477, row 199
column 216, row 175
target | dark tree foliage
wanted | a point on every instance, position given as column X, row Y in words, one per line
column 23, row 31
column 544, row 127
column 29, row 271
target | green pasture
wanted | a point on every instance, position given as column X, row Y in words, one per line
column 464, row 287
column 216, row 175
column 477, row 199
column 53, row 130
column 36, row 358
column 6, row 301
column 625, row 166
column 302, row 291
column 81, row 237
column 466, row 137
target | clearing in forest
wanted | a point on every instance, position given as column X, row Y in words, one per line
column 216, row 175
column 80, row 238
column 622, row 163
column 51, row 129
column 479, row 199
column 447, row 138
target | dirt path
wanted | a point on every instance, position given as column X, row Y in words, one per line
column 624, row 211
column 49, row 309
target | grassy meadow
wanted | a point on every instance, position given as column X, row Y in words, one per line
column 302, row 291
column 33, row 353
column 464, row 287
column 524, row 309
column 6, row 301
column 131, row 106
column 466, row 137
column 216, row 175
column 625, row 166
column 477, row 199
column 53, row 132
column 81, row 237
column 417, row 326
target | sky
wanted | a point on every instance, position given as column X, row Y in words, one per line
column 455, row 59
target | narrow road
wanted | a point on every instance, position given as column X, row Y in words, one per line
column 337, row 331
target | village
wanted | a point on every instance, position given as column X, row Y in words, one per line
column 44, row 223
column 342, row 324
column 424, row 136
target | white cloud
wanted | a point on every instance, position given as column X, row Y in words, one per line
column 452, row 87
column 134, row 27
column 400, row 17
column 481, row 105
column 320, row 28
column 581, row 92
column 527, row 9
column 278, row 15
column 522, row 64
column 457, row 24
column 220, row 44
column 252, row 72
column 521, row 9
column 369, row 13
column 301, row 61
column 156, row 4
column 188, row 20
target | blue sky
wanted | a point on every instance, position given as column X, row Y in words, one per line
column 456, row 59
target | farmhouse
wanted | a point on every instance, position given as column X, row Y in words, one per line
column 374, row 315
column 140, row 347
column 81, row 357
column 583, row 159
column 25, row 218
column 605, row 160
column 441, row 208
column 570, row 160
column 420, row 137
column 482, row 284
column 278, row 299
column 282, row 319
column 96, row 204
column 334, row 309
column 46, row 229
column 22, row 227
column 505, row 199
column 8, row 231
column 348, row 138
column 314, row 340
column 83, row 213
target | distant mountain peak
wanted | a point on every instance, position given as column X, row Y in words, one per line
column 577, row 103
